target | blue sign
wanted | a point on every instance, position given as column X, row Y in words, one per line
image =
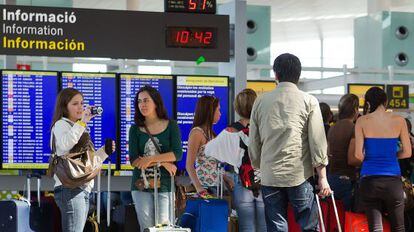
column 129, row 86
column 98, row 89
column 189, row 90
column 28, row 100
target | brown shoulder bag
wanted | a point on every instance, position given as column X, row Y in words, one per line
column 75, row 168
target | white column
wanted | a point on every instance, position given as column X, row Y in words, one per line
column 236, row 68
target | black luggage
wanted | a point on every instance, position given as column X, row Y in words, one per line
column 44, row 213
column 14, row 216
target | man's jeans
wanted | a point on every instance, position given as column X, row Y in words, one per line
column 303, row 202
column 74, row 207
column 144, row 206
column 250, row 210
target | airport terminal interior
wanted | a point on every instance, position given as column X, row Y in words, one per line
column 185, row 115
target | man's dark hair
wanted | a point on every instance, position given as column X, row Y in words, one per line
column 287, row 68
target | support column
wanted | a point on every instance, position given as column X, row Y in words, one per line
column 236, row 68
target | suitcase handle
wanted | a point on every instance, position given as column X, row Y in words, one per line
column 220, row 183
column 172, row 199
column 28, row 180
column 108, row 199
column 156, row 168
column 172, row 213
column 335, row 210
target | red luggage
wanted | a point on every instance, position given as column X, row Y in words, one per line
column 332, row 224
column 324, row 214
column 357, row 222
column 293, row 226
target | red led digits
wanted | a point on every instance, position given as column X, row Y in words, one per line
column 182, row 37
column 192, row 5
column 191, row 37
column 207, row 38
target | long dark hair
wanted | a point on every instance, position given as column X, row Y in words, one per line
column 139, row 119
column 204, row 113
column 374, row 97
column 62, row 101
column 327, row 114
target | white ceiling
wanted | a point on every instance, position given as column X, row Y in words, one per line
column 291, row 19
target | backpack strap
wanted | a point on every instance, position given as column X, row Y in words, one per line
column 238, row 126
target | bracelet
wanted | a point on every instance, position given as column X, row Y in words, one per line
column 81, row 123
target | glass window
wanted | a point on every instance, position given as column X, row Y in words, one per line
column 77, row 67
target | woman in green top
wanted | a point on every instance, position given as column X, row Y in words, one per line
column 145, row 157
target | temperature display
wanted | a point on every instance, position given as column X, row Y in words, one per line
column 191, row 37
column 191, row 6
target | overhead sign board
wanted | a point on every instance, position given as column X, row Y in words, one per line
column 361, row 89
column 398, row 97
column 71, row 32
column 261, row 87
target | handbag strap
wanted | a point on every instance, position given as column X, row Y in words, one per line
column 152, row 139
column 53, row 143
column 159, row 151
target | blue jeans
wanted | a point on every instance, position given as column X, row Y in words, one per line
column 250, row 210
column 74, row 207
column 342, row 188
column 303, row 202
column 144, row 206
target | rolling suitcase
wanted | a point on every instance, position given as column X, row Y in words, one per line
column 293, row 226
column 322, row 217
column 93, row 223
column 44, row 213
column 15, row 215
column 357, row 222
column 204, row 215
column 332, row 225
column 125, row 218
column 171, row 227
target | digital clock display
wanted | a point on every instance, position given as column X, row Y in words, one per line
column 191, row 6
column 191, row 37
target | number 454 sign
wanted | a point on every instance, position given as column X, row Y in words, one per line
column 398, row 97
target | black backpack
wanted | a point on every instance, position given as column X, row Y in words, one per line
column 246, row 172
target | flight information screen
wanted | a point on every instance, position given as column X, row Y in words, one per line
column 98, row 89
column 189, row 90
column 129, row 86
column 28, row 99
